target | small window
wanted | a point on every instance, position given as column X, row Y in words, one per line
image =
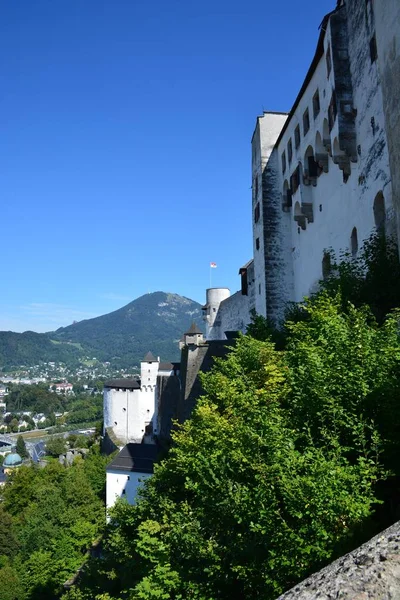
column 326, row 265
column 354, row 242
column 257, row 213
column 283, row 162
column 124, row 409
column 373, row 51
column 214, row 309
column 259, row 288
column 332, row 111
column 115, row 423
column 328, row 61
column 316, row 104
column 128, row 478
column 297, row 136
column 295, row 181
column 306, row 121
column 123, row 492
column 257, row 243
column 290, row 150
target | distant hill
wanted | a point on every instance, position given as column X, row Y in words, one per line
column 152, row 322
column 30, row 348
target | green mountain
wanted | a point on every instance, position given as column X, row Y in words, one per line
column 152, row 322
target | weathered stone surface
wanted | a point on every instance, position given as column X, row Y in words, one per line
column 371, row 572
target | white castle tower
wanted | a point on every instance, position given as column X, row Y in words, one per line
column 131, row 405
column 214, row 298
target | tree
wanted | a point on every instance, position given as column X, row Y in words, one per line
column 56, row 446
column 21, row 447
column 252, row 497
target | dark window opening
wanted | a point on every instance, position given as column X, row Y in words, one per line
column 297, row 136
column 257, row 243
column 313, row 167
column 283, row 162
column 328, row 61
column 354, row 242
column 373, row 51
column 289, row 201
column 290, row 150
column 332, row 111
column 316, row 104
column 257, row 213
column 259, row 288
column 306, row 121
column 295, row 181
column 326, row 265
column 123, row 492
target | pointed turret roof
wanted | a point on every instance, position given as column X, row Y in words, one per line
column 149, row 357
column 194, row 329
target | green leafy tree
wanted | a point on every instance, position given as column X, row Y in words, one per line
column 56, row 446
column 21, row 447
column 248, row 501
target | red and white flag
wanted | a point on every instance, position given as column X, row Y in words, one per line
column 213, row 265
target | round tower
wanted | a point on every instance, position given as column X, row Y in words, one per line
column 210, row 312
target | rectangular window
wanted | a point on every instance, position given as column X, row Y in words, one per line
column 316, row 104
column 257, row 213
column 295, row 181
column 283, row 162
column 328, row 61
column 332, row 111
column 373, row 51
column 290, row 150
column 306, row 121
column 257, row 243
column 297, row 136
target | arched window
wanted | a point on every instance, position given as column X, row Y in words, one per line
column 354, row 242
column 326, row 265
column 321, row 154
column 379, row 212
column 311, row 169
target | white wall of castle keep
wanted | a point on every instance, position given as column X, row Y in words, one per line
column 123, row 484
column 326, row 210
column 214, row 297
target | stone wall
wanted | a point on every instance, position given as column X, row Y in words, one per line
column 372, row 572
column 387, row 27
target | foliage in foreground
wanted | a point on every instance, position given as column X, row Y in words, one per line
column 49, row 517
column 271, row 477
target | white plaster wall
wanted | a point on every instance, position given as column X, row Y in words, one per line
column 214, row 297
column 267, row 130
column 119, row 482
column 234, row 314
column 338, row 206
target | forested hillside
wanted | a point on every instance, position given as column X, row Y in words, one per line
column 152, row 322
column 289, row 460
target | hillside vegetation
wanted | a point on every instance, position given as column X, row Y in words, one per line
column 152, row 322
column 289, row 460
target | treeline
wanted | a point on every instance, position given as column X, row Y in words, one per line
column 49, row 518
column 37, row 399
column 289, row 460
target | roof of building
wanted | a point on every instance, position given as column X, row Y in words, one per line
column 123, row 383
column 135, row 457
column 246, row 266
column 166, row 366
column 194, row 329
column 12, row 460
column 149, row 358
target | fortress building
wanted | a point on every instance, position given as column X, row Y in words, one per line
column 327, row 174
column 136, row 410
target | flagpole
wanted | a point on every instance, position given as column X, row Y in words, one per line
column 210, row 272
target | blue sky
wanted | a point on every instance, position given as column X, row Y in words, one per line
column 125, row 131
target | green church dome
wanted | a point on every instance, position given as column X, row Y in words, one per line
column 12, row 460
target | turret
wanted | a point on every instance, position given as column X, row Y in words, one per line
column 210, row 312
